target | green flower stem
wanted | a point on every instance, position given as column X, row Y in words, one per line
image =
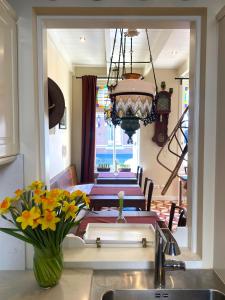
column 48, row 265
column 13, row 232
column 120, row 206
column 5, row 218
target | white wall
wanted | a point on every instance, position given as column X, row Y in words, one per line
column 60, row 139
column 219, row 241
column 149, row 150
column 29, row 103
column 210, row 135
column 12, row 250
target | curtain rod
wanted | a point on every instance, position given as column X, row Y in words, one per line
column 105, row 77
column 98, row 77
column 181, row 79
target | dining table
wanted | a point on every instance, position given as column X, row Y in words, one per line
column 106, row 195
column 110, row 216
column 116, row 178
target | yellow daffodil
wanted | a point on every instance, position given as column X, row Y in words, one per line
column 28, row 216
column 18, row 194
column 66, row 194
column 54, row 193
column 86, row 200
column 36, row 185
column 70, row 209
column 35, row 223
column 76, row 194
column 50, row 203
column 38, row 196
column 49, row 220
column 36, row 216
column 5, row 205
column 59, row 194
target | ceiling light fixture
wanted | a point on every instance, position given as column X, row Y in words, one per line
column 132, row 99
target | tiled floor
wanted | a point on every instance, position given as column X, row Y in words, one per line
column 162, row 208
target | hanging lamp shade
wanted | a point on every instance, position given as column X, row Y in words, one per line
column 132, row 99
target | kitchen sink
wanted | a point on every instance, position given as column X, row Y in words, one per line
column 172, row 294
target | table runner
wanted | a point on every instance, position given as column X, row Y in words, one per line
column 129, row 191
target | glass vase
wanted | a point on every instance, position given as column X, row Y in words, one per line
column 121, row 218
column 47, row 266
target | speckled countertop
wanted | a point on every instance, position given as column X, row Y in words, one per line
column 21, row 285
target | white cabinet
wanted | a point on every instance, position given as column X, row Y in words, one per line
column 8, row 84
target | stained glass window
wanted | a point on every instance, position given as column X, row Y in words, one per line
column 185, row 96
column 103, row 100
column 111, row 146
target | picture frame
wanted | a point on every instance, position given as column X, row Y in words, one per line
column 63, row 122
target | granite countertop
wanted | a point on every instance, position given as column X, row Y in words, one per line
column 21, row 285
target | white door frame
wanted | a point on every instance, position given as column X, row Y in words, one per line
column 44, row 22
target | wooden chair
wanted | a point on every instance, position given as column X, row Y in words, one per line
column 148, row 182
column 139, row 175
column 148, row 189
column 65, row 180
column 182, row 221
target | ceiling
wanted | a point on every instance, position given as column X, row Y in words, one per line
column 170, row 47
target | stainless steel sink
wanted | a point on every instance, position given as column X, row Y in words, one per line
column 135, row 283
column 173, row 294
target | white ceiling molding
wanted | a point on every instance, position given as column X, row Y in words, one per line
column 183, row 69
column 55, row 39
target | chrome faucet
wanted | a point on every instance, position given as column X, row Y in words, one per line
column 165, row 243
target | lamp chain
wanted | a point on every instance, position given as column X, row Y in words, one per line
column 124, row 54
column 151, row 61
column 111, row 59
column 131, row 54
column 121, row 51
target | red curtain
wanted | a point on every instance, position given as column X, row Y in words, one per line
column 88, row 128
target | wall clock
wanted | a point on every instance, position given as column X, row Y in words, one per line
column 163, row 108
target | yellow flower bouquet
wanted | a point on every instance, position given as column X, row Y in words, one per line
column 43, row 218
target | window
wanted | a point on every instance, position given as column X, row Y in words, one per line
column 111, row 146
column 185, row 103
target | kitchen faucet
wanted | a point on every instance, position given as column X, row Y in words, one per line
column 165, row 243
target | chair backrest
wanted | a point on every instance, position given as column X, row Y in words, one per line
column 139, row 175
column 182, row 221
column 148, row 182
column 138, row 167
column 65, row 179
